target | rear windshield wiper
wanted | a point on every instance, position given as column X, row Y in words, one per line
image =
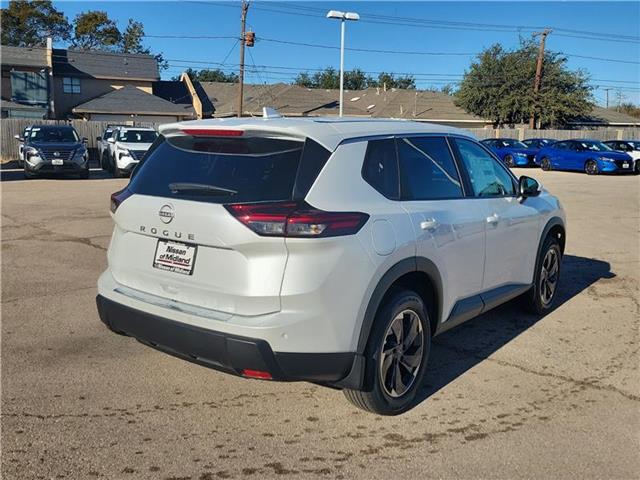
column 200, row 188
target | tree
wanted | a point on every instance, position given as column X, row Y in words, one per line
column 389, row 80
column 29, row 23
column 94, row 30
column 630, row 109
column 131, row 39
column 304, row 80
column 499, row 86
column 207, row 75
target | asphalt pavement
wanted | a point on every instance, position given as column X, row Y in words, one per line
column 508, row 395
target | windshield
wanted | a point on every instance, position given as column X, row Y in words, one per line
column 137, row 136
column 594, row 146
column 53, row 135
column 220, row 170
column 508, row 143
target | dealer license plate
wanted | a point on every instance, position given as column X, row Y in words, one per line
column 625, row 165
column 175, row 257
column 57, row 161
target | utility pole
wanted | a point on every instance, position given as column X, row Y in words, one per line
column 536, row 84
column 243, row 21
column 607, row 92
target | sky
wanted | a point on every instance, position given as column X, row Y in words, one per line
column 450, row 32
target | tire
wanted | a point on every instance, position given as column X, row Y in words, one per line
column 545, row 164
column 117, row 173
column 508, row 161
column 539, row 300
column 382, row 394
column 591, row 167
column 104, row 162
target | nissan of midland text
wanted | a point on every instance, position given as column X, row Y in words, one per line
column 323, row 250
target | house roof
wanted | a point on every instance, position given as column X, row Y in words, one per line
column 175, row 91
column 107, row 65
column 371, row 102
column 9, row 105
column 132, row 100
column 24, row 56
column 608, row 116
column 328, row 131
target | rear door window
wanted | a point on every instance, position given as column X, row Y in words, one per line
column 427, row 169
column 380, row 168
column 222, row 169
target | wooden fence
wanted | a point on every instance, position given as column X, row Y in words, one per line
column 91, row 130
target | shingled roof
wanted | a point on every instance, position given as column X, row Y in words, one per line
column 372, row 102
column 97, row 64
column 24, row 56
column 134, row 101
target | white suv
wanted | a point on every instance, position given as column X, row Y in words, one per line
column 127, row 147
column 325, row 250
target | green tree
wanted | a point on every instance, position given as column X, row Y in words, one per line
column 94, row 30
column 499, row 86
column 131, row 38
column 389, row 80
column 29, row 23
column 207, row 75
column 304, row 80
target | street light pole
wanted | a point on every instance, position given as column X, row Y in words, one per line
column 342, row 16
column 341, row 66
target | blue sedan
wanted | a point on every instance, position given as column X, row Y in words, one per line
column 590, row 156
column 512, row 152
column 538, row 143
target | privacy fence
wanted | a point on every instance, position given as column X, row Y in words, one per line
column 11, row 127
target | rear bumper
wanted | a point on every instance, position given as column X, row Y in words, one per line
column 225, row 352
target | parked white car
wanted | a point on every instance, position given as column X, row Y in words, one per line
column 103, row 146
column 21, row 139
column 325, row 250
column 127, row 146
column 630, row 147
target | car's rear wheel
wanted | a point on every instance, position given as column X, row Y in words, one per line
column 396, row 356
column 508, row 160
column 591, row 167
column 540, row 298
column 104, row 162
column 545, row 164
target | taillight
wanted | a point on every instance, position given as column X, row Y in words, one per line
column 118, row 197
column 212, row 132
column 259, row 374
column 291, row 219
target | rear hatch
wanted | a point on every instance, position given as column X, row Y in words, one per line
column 175, row 236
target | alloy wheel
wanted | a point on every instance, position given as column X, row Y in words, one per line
column 549, row 276
column 402, row 351
column 592, row 167
column 508, row 159
column 545, row 164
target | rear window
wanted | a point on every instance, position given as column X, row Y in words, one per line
column 224, row 170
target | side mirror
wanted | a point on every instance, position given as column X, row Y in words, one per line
column 111, row 140
column 528, row 187
column 18, row 137
column 99, row 139
column 85, row 140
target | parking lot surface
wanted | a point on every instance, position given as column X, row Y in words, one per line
column 508, row 395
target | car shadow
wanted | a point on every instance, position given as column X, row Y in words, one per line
column 456, row 351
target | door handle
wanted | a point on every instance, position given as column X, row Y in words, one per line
column 429, row 224
column 493, row 219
